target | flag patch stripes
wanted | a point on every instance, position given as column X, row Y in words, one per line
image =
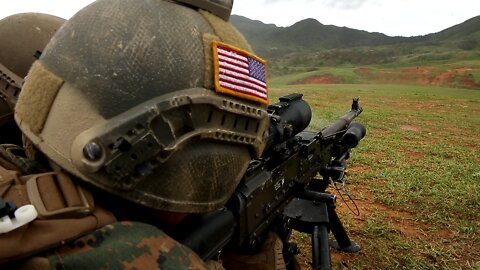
column 240, row 73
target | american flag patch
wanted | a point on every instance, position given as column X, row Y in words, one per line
column 240, row 73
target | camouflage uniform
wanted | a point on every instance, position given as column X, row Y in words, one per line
column 130, row 246
column 119, row 245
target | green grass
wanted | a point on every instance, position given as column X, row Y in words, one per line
column 346, row 75
column 448, row 74
column 417, row 173
column 389, row 56
column 476, row 76
column 445, row 67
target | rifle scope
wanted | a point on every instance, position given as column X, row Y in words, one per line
column 288, row 117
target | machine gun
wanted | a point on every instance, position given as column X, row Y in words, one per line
column 283, row 191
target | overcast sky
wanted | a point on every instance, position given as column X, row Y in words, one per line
column 392, row 17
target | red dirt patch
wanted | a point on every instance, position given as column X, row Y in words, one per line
column 468, row 81
column 417, row 70
column 319, row 79
column 412, row 156
column 402, row 222
column 458, row 77
column 410, row 128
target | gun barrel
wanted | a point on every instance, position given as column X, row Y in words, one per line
column 343, row 122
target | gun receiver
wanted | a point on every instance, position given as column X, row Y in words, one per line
column 280, row 191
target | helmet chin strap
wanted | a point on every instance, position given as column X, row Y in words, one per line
column 221, row 8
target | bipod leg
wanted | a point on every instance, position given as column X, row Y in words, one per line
column 311, row 216
column 320, row 248
column 342, row 241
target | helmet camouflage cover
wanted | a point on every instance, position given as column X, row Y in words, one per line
column 21, row 37
column 127, row 96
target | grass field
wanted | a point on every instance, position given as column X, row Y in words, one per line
column 457, row 74
column 415, row 177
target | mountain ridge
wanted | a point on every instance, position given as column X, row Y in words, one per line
column 308, row 35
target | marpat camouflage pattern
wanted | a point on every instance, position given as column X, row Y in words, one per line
column 126, row 245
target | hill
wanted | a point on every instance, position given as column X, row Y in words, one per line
column 451, row 56
column 310, row 35
column 460, row 31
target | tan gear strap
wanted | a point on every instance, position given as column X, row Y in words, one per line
column 66, row 212
column 9, row 180
column 54, row 195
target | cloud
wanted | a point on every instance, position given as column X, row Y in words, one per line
column 275, row 1
column 336, row 4
column 61, row 8
column 345, row 4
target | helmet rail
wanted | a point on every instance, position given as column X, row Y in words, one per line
column 132, row 144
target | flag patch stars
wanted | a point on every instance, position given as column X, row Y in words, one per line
column 240, row 73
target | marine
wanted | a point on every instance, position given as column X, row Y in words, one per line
column 22, row 38
column 131, row 131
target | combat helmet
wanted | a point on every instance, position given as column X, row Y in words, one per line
column 22, row 37
column 160, row 102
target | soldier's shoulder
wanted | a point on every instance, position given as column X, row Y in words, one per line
column 126, row 245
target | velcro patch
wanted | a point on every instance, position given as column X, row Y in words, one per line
column 240, row 73
column 36, row 98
